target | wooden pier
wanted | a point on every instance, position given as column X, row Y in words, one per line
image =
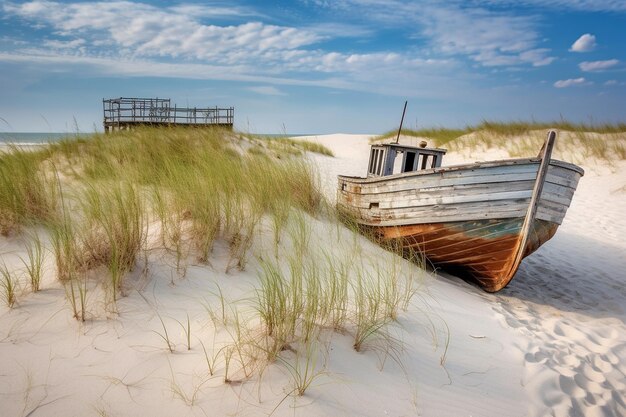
column 126, row 113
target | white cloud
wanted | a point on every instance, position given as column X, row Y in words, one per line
column 457, row 28
column 598, row 65
column 490, row 38
column 611, row 82
column 570, row 82
column 148, row 31
column 198, row 10
column 585, row 43
column 415, row 78
column 538, row 57
column 57, row 44
column 267, row 90
column 137, row 30
column 145, row 68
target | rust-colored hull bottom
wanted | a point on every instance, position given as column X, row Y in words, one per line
column 480, row 251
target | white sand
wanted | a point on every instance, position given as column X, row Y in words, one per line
column 552, row 343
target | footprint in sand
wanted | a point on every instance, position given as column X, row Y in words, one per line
column 565, row 371
column 587, row 385
column 537, row 357
column 600, row 364
column 570, row 387
column 591, row 374
column 565, row 330
column 567, row 360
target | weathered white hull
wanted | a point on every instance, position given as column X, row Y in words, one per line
column 493, row 190
column 475, row 217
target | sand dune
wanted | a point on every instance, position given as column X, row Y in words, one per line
column 552, row 343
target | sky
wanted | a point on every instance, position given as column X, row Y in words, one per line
column 315, row 66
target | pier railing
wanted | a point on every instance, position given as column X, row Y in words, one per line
column 123, row 113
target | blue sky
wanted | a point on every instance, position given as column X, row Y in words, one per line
column 316, row 66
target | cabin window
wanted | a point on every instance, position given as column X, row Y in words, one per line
column 379, row 166
column 397, row 163
column 373, row 166
column 409, row 162
column 373, row 160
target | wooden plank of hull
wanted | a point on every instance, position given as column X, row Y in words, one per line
column 480, row 251
column 434, row 197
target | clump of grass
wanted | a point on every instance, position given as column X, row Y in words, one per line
column 287, row 146
column 325, row 290
column 369, row 317
column 165, row 335
column 34, row 262
column 65, row 248
column 277, row 310
column 313, row 147
column 116, row 219
column 26, row 194
column 8, row 284
column 303, row 370
column 76, row 293
column 335, row 293
column 72, row 262
column 211, row 360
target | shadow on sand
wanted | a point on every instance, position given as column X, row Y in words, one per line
column 570, row 273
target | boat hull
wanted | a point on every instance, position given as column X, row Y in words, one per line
column 469, row 219
column 481, row 251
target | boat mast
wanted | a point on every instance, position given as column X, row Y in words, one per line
column 401, row 121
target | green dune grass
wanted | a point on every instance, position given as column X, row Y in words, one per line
column 606, row 141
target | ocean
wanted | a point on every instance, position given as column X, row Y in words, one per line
column 32, row 137
column 44, row 137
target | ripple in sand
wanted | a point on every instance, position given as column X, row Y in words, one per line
column 591, row 374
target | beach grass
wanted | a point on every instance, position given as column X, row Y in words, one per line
column 104, row 200
column 606, row 141
column 27, row 194
column 199, row 183
column 303, row 369
column 34, row 261
column 286, row 145
column 8, row 285
column 98, row 195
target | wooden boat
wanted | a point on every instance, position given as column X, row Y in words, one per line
column 478, row 220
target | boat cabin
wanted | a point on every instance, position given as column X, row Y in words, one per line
column 393, row 158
